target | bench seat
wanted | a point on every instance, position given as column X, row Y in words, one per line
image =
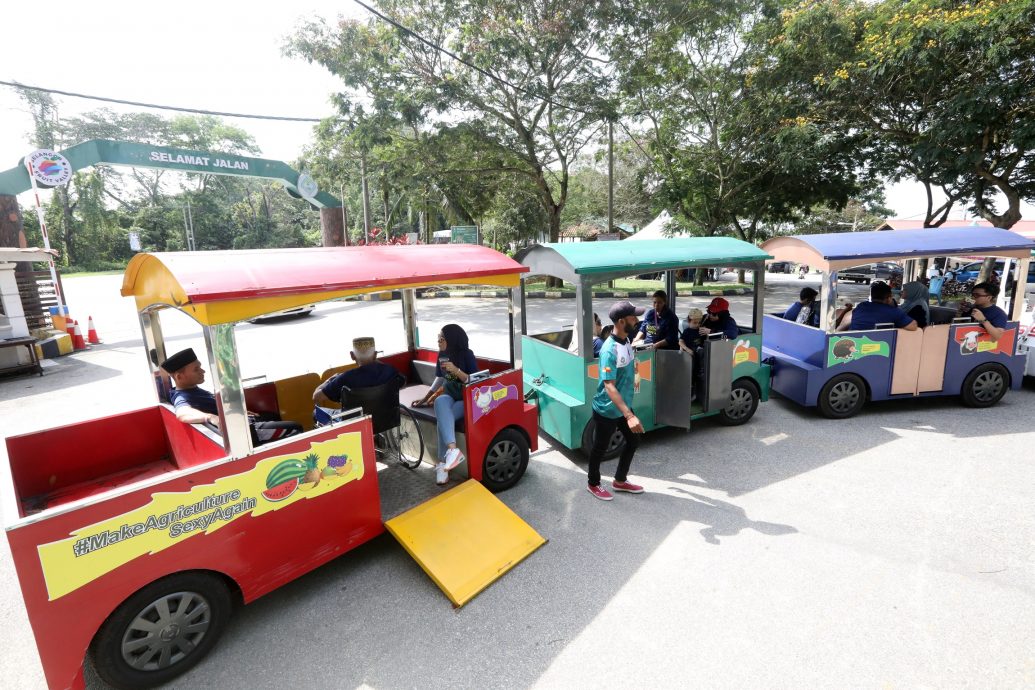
column 410, row 394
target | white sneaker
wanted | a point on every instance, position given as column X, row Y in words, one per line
column 453, row 458
column 441, row 474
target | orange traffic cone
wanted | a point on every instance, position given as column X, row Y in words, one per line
column 91, row 332
column 77, row 340
column 70, row 328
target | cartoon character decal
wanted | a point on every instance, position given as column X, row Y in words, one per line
column 744, row 351
column 974, row 339
column 488, row 398
column 846, row 349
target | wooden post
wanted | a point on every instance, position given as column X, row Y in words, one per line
column 332, row 227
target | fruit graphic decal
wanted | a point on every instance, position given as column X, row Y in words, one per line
column 339, row 465
column 283, row 479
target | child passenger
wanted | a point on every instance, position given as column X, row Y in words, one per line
column 691, row 336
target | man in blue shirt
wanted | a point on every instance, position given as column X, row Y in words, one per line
column 660, row 327
column 612, row 402
column 880, row 309
column 985, row 312
column 368, row 374
column 196, row 405
column 805, row 310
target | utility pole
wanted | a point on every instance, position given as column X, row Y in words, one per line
column 190, row 233
column 366, row 197
column 611, row 186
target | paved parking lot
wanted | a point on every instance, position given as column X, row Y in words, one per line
column 893, row 550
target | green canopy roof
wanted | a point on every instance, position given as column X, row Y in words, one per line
column 568, row 260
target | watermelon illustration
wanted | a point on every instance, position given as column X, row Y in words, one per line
column 283, row 479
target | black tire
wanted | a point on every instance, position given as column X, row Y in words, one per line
column 842, row 397
column 128, row 655
column 985, row 385
column 505, row 460
column 744, row 396
column 614, row 446
column 408, row 427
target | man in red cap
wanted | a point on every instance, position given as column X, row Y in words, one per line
column 718, row 320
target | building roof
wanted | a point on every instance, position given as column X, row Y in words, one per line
column 225, row 286
column 834, row 251
column 607, row 260
column 1025, row 228
column 17, row 254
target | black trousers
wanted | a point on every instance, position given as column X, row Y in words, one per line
column 264, row 432
column 604, row 429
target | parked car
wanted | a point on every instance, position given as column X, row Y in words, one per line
column 295, row 312
column 970, row 271
column 867, row 273
column 780, row 267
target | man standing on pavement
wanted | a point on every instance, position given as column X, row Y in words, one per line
column 612, row 403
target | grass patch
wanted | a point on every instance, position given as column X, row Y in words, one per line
column 80, row 274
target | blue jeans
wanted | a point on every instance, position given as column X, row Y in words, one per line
column 447, row 411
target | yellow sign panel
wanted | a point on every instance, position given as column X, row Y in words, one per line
column 169, row 518
column 465, row 539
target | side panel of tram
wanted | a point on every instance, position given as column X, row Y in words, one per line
column 894, row 363
column 565, row 385
column 259, row 521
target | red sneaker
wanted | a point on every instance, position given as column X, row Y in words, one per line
column 600, row 492
column 627, row 487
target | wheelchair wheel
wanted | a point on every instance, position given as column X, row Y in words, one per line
column 409, row 440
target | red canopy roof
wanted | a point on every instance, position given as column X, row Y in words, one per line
column 246, row 274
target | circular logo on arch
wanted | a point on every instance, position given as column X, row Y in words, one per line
column 49, row 167
column 307, row 186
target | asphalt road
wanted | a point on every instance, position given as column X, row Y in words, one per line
column 893, row 550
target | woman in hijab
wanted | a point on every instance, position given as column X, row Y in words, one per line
column 455, row 365
column 915, row 300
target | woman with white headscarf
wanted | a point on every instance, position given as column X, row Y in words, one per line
column 915, row 300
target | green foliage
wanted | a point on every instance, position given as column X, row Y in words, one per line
column 397, row 84
column 940, row 91
column 729, row 148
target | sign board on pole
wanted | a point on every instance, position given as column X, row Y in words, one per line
column 49, row 168
column 464, row 234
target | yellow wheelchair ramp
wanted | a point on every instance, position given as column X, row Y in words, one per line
column 464, row 539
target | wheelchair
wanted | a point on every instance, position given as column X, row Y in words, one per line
column 397, row 436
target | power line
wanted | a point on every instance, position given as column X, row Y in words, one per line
column 120, row 101
column 434, row 46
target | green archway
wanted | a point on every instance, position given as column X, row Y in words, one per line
column 104, row 152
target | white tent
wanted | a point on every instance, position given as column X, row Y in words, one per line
column 654, row 230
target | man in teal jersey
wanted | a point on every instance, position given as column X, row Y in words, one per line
column 612, row 402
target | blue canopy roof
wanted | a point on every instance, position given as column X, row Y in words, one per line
column 833, row 251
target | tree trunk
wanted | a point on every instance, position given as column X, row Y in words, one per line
column 67, row 226
column 555, row 235
column 332, row 227
column 985, row 273
column 12, row 228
